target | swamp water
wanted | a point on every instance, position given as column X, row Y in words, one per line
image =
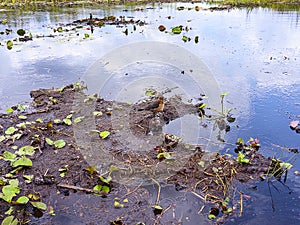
column 253, row 54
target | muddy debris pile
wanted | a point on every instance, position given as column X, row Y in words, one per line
column 47, row 157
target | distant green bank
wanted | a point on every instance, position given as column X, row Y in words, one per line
column 277, row 4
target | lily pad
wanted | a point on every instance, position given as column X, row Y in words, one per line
column 104, row 134
column 10, row 130
column 176, row 30
column 22, row 162
column 59, row 143
column 21, row 32
column 39, row 205
column 22, row 200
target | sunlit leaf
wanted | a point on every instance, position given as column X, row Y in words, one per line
column 86, row 35
column 59, row 29
column 104, row 134
column 33, row 197
column 22, row 200
column 157, row 207
column 39, row 120
column 39, row 205
column 9, row 44
column 49, row 141
column 224, row 94
column 285, row 165
column 105, row 189
column 106, row 180
column 26, row 150
column 10, row 130
column 211, row 216
column 78, row 119
column 21, row 125
column 176, row 30
column 59, row 143
column 57, row 121
column 28, row 178
column 240, row 141
column 2, row 138
column 9, row 110
column 8, row 156
column 67, row 121
column 9, row 211
column 118, row 204
column 96, row 113
column 10, row 220
column 22, row 162
column 91, row 169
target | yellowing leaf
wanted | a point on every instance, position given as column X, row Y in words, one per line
column 39, row 205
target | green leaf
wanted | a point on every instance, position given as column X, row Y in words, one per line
column 21, row 32
column 67, row 121
column 2, row 138
column 106, row 180
column 28, row 178
column 21, row 125
column 105, row 189
column 10, row 191
column 241, row 158
column 184, row 38
column 26, row 150
column 39, row 120
column 59, row 143
column 118, row 204
column 96, row 113
column 57, row 121
column 10, row 220
column 285, row 165
column 4, row 22
column 104, row 134
column 9, row 110
column 9, row 211
column 22, row 200
column 22, row 117
column 202, row 106
column 98, row 187
column 8, row 156
column 9, row 44
column 158, row 207
column 10, row 130
column 176, row 30
column 211, row 216
column 224, row 94
column 63, row 171
column 201, row 163
column 49, row 141
column 86, row 35
column 39, row 205
column 78, row 119
column 69, row 116
column 240, row 140
column 59, row 29
column 22, row 162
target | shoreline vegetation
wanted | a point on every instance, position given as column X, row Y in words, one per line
column 280, row 5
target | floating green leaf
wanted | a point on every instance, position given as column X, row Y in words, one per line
column 59, row 143
column 67, row 121
column 78, row 119
column 176, row 30
column 28, row 178
column 8, row 156
column 184, row 38
column 9, row 211
column 9, row 191
column 104, row 134
column 96, row 113
column 241, row 158
column 59, row 29
column 4, row 22
column 26, row 150
column 9, row 110
column 285, row 165
column 57, row 121
column 106, row 180
column 69, row 116
column 22, row 200
column 39, row 205
column 105, row 189
column 10, row 220
column 118, row 204
column 211, row 216
column 49, row 141
column 2, row 138
column 10, row 130
column 86, row 35
column 240, row 141
column 63, row 171
column 23, row 161
column 21, row 32
column 39, row 120
column 9, row 44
